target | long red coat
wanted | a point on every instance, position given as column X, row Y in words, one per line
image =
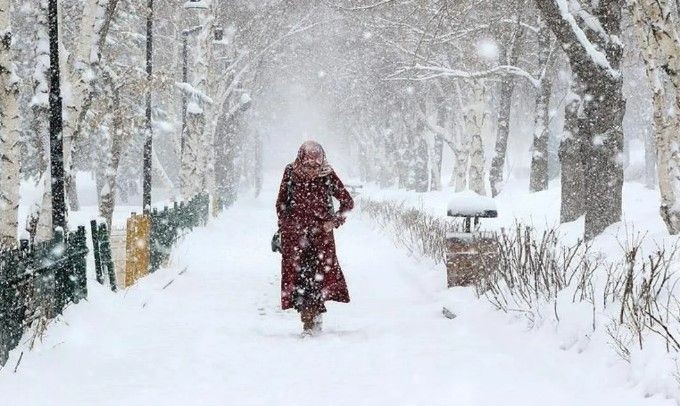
column 302, row 208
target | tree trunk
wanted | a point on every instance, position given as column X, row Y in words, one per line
column 496, row 175
column 538, row 178
column 477, row 119
column 9, row 133
column 603, row 105
column 438, row 148
column 44, row 227
column 461, row 155
column 227, row 172
column 204, row 84
column 658, row 37
column 420, row 159
column 421, row 172
column 189, row 177
column 461, row 141
column 94, row 28
column 572, row 162
column 107, row 195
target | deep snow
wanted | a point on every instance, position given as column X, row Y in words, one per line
column 208, row 331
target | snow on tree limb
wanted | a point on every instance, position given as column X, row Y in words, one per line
column 573, row 37
column 439, row 72
column 193, row 92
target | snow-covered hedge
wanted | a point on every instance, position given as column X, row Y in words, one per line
column 628, row 303
column 420, row 233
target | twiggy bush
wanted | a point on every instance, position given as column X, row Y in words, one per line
column 634, row 299
column 420, row 233
column 533, row 269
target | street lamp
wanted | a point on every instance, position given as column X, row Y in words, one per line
column 56, row 124
column 148, row 143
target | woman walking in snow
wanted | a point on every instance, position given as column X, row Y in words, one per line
column 310, row 272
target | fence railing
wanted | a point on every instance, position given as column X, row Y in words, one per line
column 149, row 240
column 103, row 260
column 169, row 224
column 38, row 281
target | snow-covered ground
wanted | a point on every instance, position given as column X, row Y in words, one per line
column 208, row 331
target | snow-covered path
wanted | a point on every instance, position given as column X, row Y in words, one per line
column 215, row 336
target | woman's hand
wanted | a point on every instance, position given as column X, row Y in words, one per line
column 336, row 222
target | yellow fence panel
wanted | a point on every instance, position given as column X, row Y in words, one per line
column 138, row 254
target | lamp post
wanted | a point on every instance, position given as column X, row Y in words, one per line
column 148, row 143
column 56, row 123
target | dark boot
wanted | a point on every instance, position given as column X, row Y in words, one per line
column 307, row 318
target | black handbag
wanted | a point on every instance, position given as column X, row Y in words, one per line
column 276, row 241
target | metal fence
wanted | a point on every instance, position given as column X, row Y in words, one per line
column 38, row 281
column 103, row 261
column 169, row 224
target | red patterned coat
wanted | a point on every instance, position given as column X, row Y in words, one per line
column 302, row 208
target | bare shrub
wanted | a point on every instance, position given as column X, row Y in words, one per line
column 649, row 304
column 420, row 233
column 533, row 268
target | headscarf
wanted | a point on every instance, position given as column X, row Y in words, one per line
column 311, row 162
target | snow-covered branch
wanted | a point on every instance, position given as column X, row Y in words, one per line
column 434, row 72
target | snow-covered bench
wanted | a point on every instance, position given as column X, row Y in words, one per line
column 471, row 251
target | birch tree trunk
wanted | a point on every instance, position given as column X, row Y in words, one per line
column 204, row 84
column 420, row 158
column 40, row 219
column 9, row 133
column 538, row 178
column 94, row 27
column 107, row 196
column 40, row 100
column 227, row 172
column 438, row 148
column 200, row 125
column 460, row 144
column 510, row 56
column 44, row 227
column 461, row 155
column 189, row 177
column 660, row 47
column 477, row 120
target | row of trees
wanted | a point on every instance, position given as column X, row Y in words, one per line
column 454, row 75
column 206, row 56
column 408, row 83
